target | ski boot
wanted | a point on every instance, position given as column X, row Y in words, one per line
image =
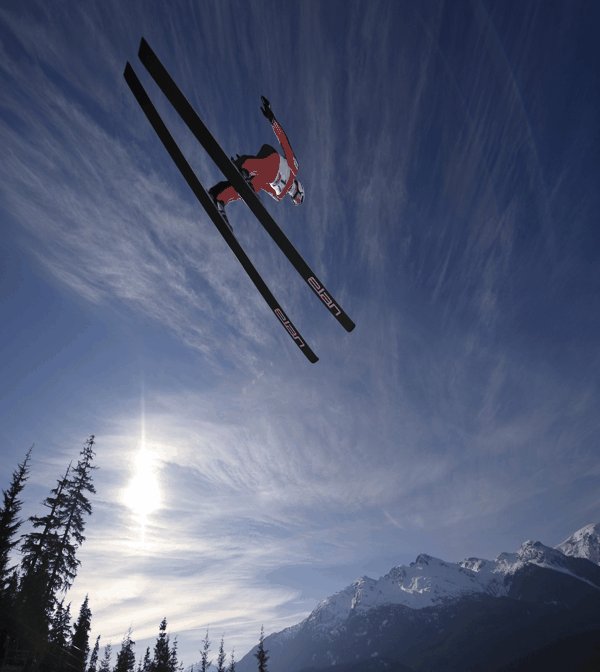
column 212, row 192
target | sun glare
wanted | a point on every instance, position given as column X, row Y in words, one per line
column 142, row 495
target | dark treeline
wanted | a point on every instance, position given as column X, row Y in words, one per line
column 36, row 632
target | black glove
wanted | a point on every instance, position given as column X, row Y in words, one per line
column 267, row 111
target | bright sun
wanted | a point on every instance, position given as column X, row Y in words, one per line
column 143, row 492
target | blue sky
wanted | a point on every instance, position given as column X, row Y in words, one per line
column 450, row 160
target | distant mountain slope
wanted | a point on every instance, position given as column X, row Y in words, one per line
column 576, row 653
column 434, row 615
column 585, row 543
column 371, row 665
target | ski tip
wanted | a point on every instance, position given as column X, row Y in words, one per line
column 129, row 73
column 145, row 50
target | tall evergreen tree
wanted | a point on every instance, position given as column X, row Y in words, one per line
column 231, row 667
column 160, row 663
column 65, row 564
column 146, row 664
column 9, row 524
column 125, row 657
column 80, row 642
column 94, row 656
column 261, row 654
column 36, row 545
column 60, row 634
column 105, row 662
column 221, row 657
column 205, row 663
column 39, row 548
column 57, row 656
column 174, row 665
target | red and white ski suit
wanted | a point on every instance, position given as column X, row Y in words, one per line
column 271, row 172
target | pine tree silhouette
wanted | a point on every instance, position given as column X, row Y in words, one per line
column 125, row 657
column 205, row 663
column 174, row 665
column 146, row 664
column 39, row 548
column 65, row 564
column 231, row 667
column 80, row 645
column 261, row 654
column 221, row 658
column 160, row 662
column 60, row 633
column 9, row 524
column 49, row 564
column 105, row 663
column 94, row 656
column 56, row 656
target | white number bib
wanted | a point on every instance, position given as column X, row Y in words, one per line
column 282, row 176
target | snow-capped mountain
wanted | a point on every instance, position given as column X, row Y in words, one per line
column 412, row 605
column 430, row 581
column 585, row 543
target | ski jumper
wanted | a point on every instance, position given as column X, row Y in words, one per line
column 269, row 171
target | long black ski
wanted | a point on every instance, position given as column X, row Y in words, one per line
column 211, row 209
column 205, row 138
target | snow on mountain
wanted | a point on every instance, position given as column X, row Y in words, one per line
column 425, row 582
column 585, row 543
column 430, row 581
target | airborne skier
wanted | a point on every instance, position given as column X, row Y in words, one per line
column 268, row 170
column 247, row 175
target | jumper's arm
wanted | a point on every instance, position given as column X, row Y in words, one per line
column 285, row 144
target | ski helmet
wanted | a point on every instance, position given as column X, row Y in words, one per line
column 297, row 192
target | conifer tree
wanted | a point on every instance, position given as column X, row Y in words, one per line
column 105, row 663
column 61, row 625
column 261, row 654
column 80, row 644
column 57, row 656
column 94, row 656
column 65, row 564
column 205, row 663
column 49, row 565
column 9, row 524
column 221, row 658
column 125, row 657
column 39, row 549
column 231, row 667
column 146, row 664
column 174, row 665
column 160, row 663
column 36, row 545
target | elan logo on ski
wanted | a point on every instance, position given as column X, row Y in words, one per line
column 321, row 292
column 288, row 325
column 245, row 177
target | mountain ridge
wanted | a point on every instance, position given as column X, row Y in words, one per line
column 432, row 591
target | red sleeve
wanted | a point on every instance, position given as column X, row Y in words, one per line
column 285, row 143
